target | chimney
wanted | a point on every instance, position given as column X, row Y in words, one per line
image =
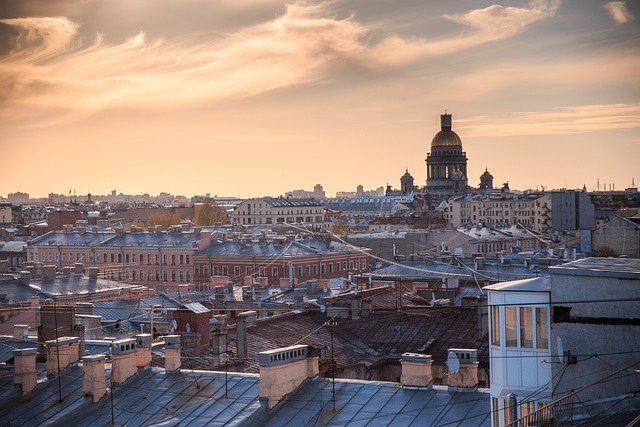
column 84, row 308
column 79, row 268
column 49, row 273
column 251, row 317
column 143, row 354
column 35, row 301
column 416, row 369
column 241, row 337
column 172, row 353
column 467, row 375
column 93, row 273
column 283, row 370
column 67, row 228
column 61, row 352
column 66, row 272
column 123, row 360
column 20, row 332
column 25, row 369
column 94, row 381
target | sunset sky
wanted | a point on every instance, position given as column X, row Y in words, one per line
column 258, row 97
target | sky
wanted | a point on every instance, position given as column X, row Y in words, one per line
column 250, row 98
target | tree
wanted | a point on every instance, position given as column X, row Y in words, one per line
column 340, row 228
column 164, row 219
column 210, row 213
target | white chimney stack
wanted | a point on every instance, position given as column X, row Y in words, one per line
column 62, row 352
column 94, row 381
column 172, row 353
column 25, row 369
column 123, row 360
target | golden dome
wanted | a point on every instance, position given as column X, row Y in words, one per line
column 446, row 138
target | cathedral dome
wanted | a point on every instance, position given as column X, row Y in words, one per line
column 446, row 137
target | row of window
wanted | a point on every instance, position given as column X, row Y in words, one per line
column 151, row 259
column 524, row 327
column 151, row 275
column 277, row 272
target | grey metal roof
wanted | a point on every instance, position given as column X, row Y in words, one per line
column 375, row 403
column 8, row 344
column 196, row 307
column 153, row 397
column 152, row 239
column 602, row 267
column 434, row 271
column 60, row 238
column 293, row 248
column 12, row 246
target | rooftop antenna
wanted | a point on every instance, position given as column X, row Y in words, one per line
column 453, row 363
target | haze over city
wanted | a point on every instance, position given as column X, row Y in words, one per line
column 251, row 98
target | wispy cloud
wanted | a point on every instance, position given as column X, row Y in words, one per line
column 558, row 121
column 618, row 11
column 50, row 78
column 498, row 22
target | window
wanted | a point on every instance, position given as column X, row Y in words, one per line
column 542, row 337
column 236, row 271
column 274, row 272
column 511, row 333
column 247, row 271
column 495, row 325
column 225, row 270
column 526, row 327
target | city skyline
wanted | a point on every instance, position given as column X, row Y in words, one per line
column 253, row 98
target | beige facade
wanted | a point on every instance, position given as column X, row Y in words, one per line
column 280, row 211
column 498, row 210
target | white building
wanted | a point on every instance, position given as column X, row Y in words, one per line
column 567, row 346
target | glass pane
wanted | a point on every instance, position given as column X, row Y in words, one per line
column 511, row 337
column 526, row 328
column 542, row 325
column 495, row 325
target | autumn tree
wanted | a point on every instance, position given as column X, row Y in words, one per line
column 340, row 228
column 164, row 219
column 210, row 213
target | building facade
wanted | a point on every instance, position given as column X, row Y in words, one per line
column 276, row 257
column 268, row 210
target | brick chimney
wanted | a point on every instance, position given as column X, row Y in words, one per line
column 123, row 359
column 49, row 273
column 467, row 376
column 94, row 381
column 143, row 347
column 172, row 353
column 241, row 337
column 63, row 352
column 283, row 370
column 93, row 273
column 20, row 332
column 416, row 369
column 25, row 369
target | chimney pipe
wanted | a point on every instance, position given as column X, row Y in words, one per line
column 123, row 360
column 143, row 347
column 416, row 369
column 94, row 381
column 172, row 353
column 20, row 332
column 62, row 352
column 25, row 369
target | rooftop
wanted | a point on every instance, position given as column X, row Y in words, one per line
column 628, row 268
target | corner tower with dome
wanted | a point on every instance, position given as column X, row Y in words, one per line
column 446, row 162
